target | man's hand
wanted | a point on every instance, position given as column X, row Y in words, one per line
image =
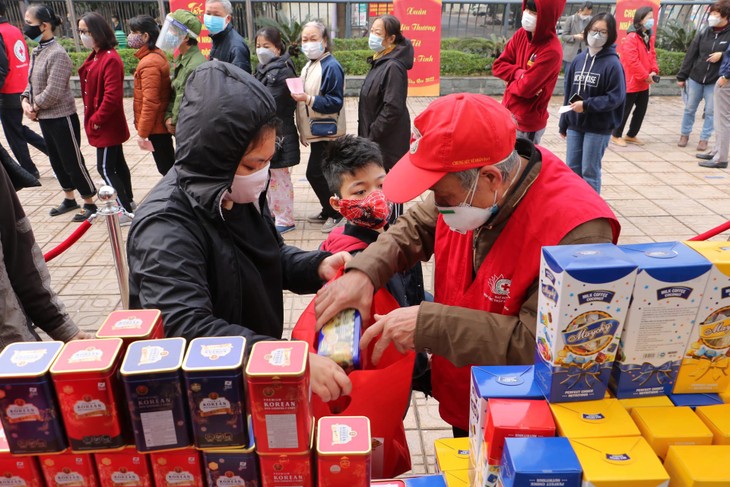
column 398, row 327
column 170, row 126
column 353, row 290
column 681, row 84
column 563, row 136
column 577, row 106
column 330, row 266
column 721, row 82
column 715, row 57
column 82, row 335
column 328, row 379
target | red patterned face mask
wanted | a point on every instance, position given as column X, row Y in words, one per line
column 370, row 212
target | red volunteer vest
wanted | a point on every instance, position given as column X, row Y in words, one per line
column 17, row 53
column 557, row 202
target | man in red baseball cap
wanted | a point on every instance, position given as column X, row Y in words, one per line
column 495, row 202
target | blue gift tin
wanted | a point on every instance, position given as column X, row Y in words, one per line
column 151, row 373
column 28, row 406
column 237, row 467
column 694, row 400
column 528, row 462
column 213, row 371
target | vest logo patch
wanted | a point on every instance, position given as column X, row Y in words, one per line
column 498, row 289
column 19, row 51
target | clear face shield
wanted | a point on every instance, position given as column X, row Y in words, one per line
column 172, row 34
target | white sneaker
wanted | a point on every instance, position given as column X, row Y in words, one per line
column 125, row 220
column 332, row 223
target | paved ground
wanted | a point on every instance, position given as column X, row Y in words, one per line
column 657, row 191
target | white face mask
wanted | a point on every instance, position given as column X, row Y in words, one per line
column 585, row 17
column 313, row 50
column 465, row 218
column 265, row 55
column 529, row 21
column 248, row 188
column 597, row 40
column 714, row 20
column 87, row 41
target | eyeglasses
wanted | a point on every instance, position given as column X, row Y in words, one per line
column 83, row 32
column 601, row 32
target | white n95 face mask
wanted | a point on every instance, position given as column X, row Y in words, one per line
column 248, row 188
column 465, row 218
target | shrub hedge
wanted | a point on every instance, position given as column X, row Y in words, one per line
column 459, row 57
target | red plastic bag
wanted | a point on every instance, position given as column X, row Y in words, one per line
column 380, row 392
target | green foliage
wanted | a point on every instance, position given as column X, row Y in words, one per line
column 291, row 30
column 457, row 63
column 354, row 63
column 491, row 47
column 359, row 44
column 669, row 62
column 675, row 36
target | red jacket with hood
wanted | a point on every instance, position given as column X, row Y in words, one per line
column 530, row 65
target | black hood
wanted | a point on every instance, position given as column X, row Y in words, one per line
column 403, row 52
column 223, row 108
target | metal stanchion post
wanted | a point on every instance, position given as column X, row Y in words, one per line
column 111, row 211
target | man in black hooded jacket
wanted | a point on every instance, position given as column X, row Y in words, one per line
column 203, row 247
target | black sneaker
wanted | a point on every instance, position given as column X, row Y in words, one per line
column 85, row 213
column 65, row 206
column 317, row 218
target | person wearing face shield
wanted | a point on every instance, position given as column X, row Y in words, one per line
column 530, row 65
column 496, row 200
column 595, row 91
column 188, row 58
column 572, row 35
column 228, row 45
column 203, row 247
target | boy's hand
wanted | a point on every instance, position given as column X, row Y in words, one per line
column 330, row 266
column 329, row 381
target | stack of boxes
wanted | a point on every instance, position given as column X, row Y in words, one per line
column 654, row 318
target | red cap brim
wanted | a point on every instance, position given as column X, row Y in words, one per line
column 406, row 182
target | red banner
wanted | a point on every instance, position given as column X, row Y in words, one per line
column 625, row 10
column 421, row 23
column 198, row 8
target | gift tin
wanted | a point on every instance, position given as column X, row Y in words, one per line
column 339, row 339
column 698, row 466
column 509, row 418
column 19, row 471
column 126, row 468
column 666, row 426
column 68, row 470
column 642, row 402
column 424, row 481
column 29, row 409
column 627, row 461
column 451, row 454
column 695, row 400
column 457, row 478
column 670, row 282
column 177, row 468
column 132, row 325
column 85, row 378
column 593, row 419
column 231, row 467
column 585, row 291
column 213, row 371
column 344, row 451
column 278, row 381
column 152, row 380
column 717, row 418
column 288, row 469
column 529, row 462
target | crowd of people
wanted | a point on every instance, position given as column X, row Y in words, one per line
column 206, row 248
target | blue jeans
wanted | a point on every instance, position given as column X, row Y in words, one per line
column 695, row 93
column 585, row 151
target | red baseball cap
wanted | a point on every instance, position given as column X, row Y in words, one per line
column 454, row 133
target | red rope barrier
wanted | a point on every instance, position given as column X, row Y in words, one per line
column 715, row 231
column 72, row 239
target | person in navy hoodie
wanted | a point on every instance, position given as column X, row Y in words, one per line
column 595, row 92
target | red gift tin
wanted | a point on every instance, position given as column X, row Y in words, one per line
column 126, row 468
column 132, row 325
column 279, row 391
column 68, row 470
column 179, row 468
column 17, row 471
column 85, row 378
column 343, row 451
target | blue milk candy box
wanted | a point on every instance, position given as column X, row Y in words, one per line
column 670, row 283
column 530, row 462
column 695, row 400
column 504, row 382
column 151, row 373
column 339, row 339
column 213, row 372
column 585, row 292
column 28, row 406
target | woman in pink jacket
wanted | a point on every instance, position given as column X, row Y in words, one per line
column 638, row 58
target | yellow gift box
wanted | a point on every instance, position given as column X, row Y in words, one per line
column 457, row 478
column 698, row 466
column 717, row 418
column 452, row 454
column 627, row 461
column 644, row 402
column 725, row 395
column 593, row 419
column 665, row 426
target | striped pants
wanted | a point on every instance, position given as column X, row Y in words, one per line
column 113, row 168
column 63, row 138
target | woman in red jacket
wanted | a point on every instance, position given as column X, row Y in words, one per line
column 638, row 58
column 102, row 77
